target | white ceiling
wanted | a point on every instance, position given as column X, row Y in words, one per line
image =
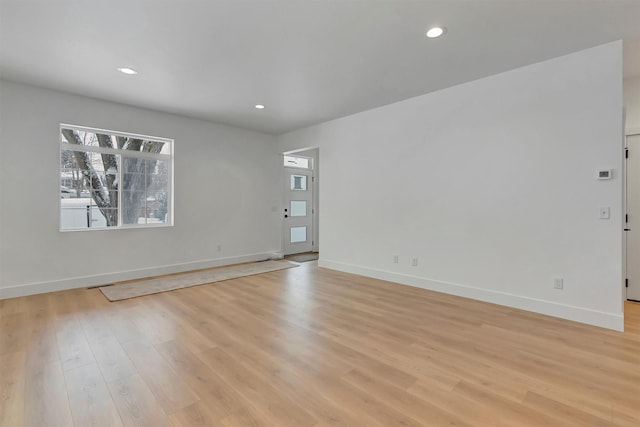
column 307, row 61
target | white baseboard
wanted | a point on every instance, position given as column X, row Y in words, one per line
column 103, row 279
column 578, row 314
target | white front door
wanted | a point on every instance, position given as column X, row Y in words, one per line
column 632, row 226
column 298, row 210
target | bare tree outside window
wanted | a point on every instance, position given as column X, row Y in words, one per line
column 123, row 180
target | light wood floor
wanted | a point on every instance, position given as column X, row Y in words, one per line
column 308, row 347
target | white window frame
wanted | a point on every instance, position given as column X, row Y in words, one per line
column 122, row 153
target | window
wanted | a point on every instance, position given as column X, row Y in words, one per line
column 298, row 208
column 114, row 180
column 297, row 162
column 298, row 234
column 299, row 182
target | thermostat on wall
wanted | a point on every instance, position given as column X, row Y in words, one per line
column 604, row 174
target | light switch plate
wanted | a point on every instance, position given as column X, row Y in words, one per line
column 605, row 212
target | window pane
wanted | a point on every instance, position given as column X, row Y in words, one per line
column 156, row 210
column 158, row 168
column 142, row 145
column 88, row 179
column 134, row 207
column 83, row 213
column 133, row 173
column 134, row 184
column 298, row 208
column 157, row 191
column 298, row 234
column 85, row 138
column 299, row 182
column 146, row 191
column 296, row 162
column 71, row 177
column 98, row 217
column 74, row 214
column 157, row 175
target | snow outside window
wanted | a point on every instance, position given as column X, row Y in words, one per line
column 114, row 180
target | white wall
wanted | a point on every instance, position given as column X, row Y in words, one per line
column 632, row 103
column 490, row 184
column 227, row 191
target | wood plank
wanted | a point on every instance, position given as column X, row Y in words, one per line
column 222, row 400
column 469, row 411
column 91, row 403
column 13, row 333
column 564, row 413
column 268, row 400
column 168, row 387
column 72, row 345
column 46, row 402
column 12, row 389
column 96, row 325
column 42, row 348
column 421, row 410
column 136, row 404
column 246, row 417
column 189, row 336
column 12, row 306
column 196, row 415
column 112, row 360
column 507, row 411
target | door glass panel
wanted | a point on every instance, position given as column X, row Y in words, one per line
column 298, row 208
column 299, row 182
column 298, row 234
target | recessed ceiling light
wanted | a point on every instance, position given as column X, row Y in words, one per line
column 434, row 32
column 127, row 70
column 260, row 106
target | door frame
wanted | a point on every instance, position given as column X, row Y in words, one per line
column 315, row 172
column 628, row 132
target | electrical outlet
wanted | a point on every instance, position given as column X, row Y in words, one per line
column 219, row 248
column 414, row 262
column 395, row 259
column 558, row 283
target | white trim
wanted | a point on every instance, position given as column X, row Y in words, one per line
column 592, row 317
column 119, row 227
column 171, row 183
column 120, row 163
column 628, row 133
column 103, row 279
column 298, row 150
column 624, row 223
